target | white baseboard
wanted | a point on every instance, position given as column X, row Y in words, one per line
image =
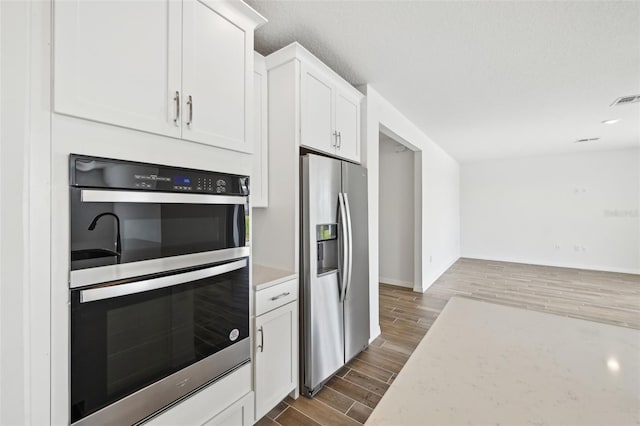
column 375, row 334
column 557, row 264
column 435, row 277
column 391, row 281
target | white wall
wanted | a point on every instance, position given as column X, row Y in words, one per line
column 578, row 210
column 24, row 217
column 12, row 294
column 396, row 227
column 437, row 198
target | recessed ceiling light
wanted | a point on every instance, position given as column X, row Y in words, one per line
column 613, row 365
column 586, row 140
column 614, row 121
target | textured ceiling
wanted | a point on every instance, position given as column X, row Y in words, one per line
column 482, row 79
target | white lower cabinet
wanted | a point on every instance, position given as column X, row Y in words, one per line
column 229, row 401
column 238, row 414
column 276, row 353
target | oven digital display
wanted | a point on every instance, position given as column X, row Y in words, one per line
column 181, row 180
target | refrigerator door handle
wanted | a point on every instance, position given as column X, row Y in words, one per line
column 344, row 255
column 345, row 198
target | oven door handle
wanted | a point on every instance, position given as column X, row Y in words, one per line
column 102, row 196
column 116, row 290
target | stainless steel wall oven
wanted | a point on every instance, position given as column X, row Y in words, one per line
column 159, row 285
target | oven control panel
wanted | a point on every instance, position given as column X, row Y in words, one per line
column 93, row 172
column 214, row 184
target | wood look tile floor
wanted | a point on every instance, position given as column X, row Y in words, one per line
column 405, row 317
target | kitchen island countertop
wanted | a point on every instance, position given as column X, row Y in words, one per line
column 482, row 363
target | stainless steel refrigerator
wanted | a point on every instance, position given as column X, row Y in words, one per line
column 334, row 267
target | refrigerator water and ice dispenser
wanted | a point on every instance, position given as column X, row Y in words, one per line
column 327, row 242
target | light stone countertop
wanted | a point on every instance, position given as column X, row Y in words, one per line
column 265, row 277
column 482, row 364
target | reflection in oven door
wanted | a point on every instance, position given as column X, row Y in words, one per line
column 123, row 231
column 137, row 346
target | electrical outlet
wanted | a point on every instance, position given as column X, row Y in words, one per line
column 557, row 246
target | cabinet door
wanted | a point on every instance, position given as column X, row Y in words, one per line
column 118, row 62
column 260, row 175
column 217, row 77
column 348, row 127
column 316, row 116
column 276, row 356
column 238, row 414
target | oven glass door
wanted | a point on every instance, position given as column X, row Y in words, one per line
column 127, row 336
column 117, row 227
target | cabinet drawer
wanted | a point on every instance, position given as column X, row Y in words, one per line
column 278, row 295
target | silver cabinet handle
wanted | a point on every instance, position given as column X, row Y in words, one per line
column 335, row 139
column 338, row 139
column 261, row 345
column 280, row 295
column 176, row 98
column 190, row 103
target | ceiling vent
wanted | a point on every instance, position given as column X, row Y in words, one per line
column 587, row 140
column 625, row 100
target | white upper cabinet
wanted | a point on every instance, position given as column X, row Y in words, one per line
column 329, row 106
column 217, row 77
column 316, row 110
column 260, row 175
column 119, row 62
column 176, row 68
column 347, row 126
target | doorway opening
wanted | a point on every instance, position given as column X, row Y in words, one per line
column 397, row 201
